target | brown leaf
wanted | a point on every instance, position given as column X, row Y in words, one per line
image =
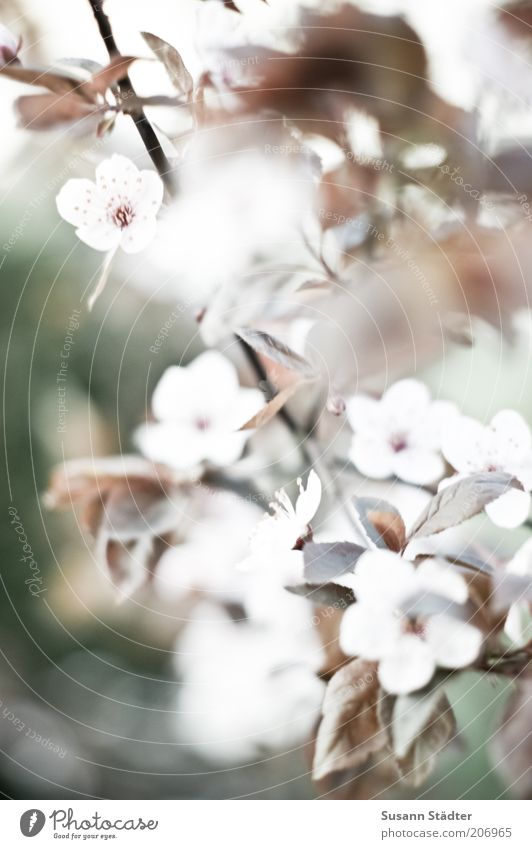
column 418, row 762
column 272, row 407
column 327, row 621
column 115, row 71
column 44, row 111
column 56, row 82
column 172, row 61
column 511, row 748
column 349, row 731
column 382, row 522
column 276, row 350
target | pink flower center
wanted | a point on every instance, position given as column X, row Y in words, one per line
column 202, row 423
column 123, row 215
column 398, row 442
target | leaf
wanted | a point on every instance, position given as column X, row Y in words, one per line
column 382, row 522
column 43, row 111
column 276, row 350
column 460, row 501
column 272, row 407
column 509, row 588
column 326, row 621
column 53, row 81
column 456, row 326
column 324, row 595
column 349, row 731
column 511, row 748
column 327, row 561
column 105, row 78
column 411, row 713
column 172, row 61
column 440, row 726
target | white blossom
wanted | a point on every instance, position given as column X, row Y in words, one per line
column 505, row 445
column 400, row 434
column 518, row 625
column 119, row 209
column 409, row 619
column 275, row 542
column 199, row 409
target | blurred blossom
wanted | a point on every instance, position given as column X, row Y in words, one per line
column 246, row 687
column 408, row 619
column 232, row 212
column 9, row 45
column 219, row 525
column 279, row 536
column 119, row 209
column 199, row 409
column 518, row 626
column 399, row 435
column 505, row 445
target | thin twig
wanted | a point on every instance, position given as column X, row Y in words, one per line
column 125, row 86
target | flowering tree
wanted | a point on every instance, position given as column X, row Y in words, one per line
column 312, row 212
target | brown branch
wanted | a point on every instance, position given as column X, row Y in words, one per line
column 125, row 86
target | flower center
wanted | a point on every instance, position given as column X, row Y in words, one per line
column 202, row 423
column 398, row 442
column 123, row 215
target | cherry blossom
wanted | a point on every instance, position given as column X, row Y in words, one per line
column 119, row 209
column 518, row 625
column 409, row 619
column 199, row 409
column 279, row 536
column 400, row 434
column 505, row 445
column 9, row 45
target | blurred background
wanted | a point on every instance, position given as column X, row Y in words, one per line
column 88, row 688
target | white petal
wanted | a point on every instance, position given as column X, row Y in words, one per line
column 245, row 405
column 309, row 499
column 216, row 381
column 78, row 203
column 383, row 579
column 518, row 626
column 363, row 413
column 368, row 633
column 150, row 196
column 223, row 448
column 454, row 643
column 372, row 456
column 137, row 235
column 418, row 466
column 510, row 509
column 408, row 667
column 436, row 577
column 118, row 177
column 174, row 444
column 514, row 434
column 103, row 236
column 171, row 398
column 521, row 562
column 406, row 401
column 463, row 445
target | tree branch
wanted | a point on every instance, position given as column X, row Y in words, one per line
column 145, row 129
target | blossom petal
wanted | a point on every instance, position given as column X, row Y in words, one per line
column 151, row 192
column 463, row 445
column 78, row 203
column 178, row 446
column 408, row 667
column 372, row 456
column 309, row 499
column 436, row 577
column 521, row 562
column 363, row 413
column 137, row 235
column 518, row 625
column 118, row 177
column 103, row 236
column 513, row 433
column 170, row 395
column 454, row 643
column 368, row 633
column 383, row 579
column 406, row 401
column 418, row 466
column 221, row 448
column 510, row 509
